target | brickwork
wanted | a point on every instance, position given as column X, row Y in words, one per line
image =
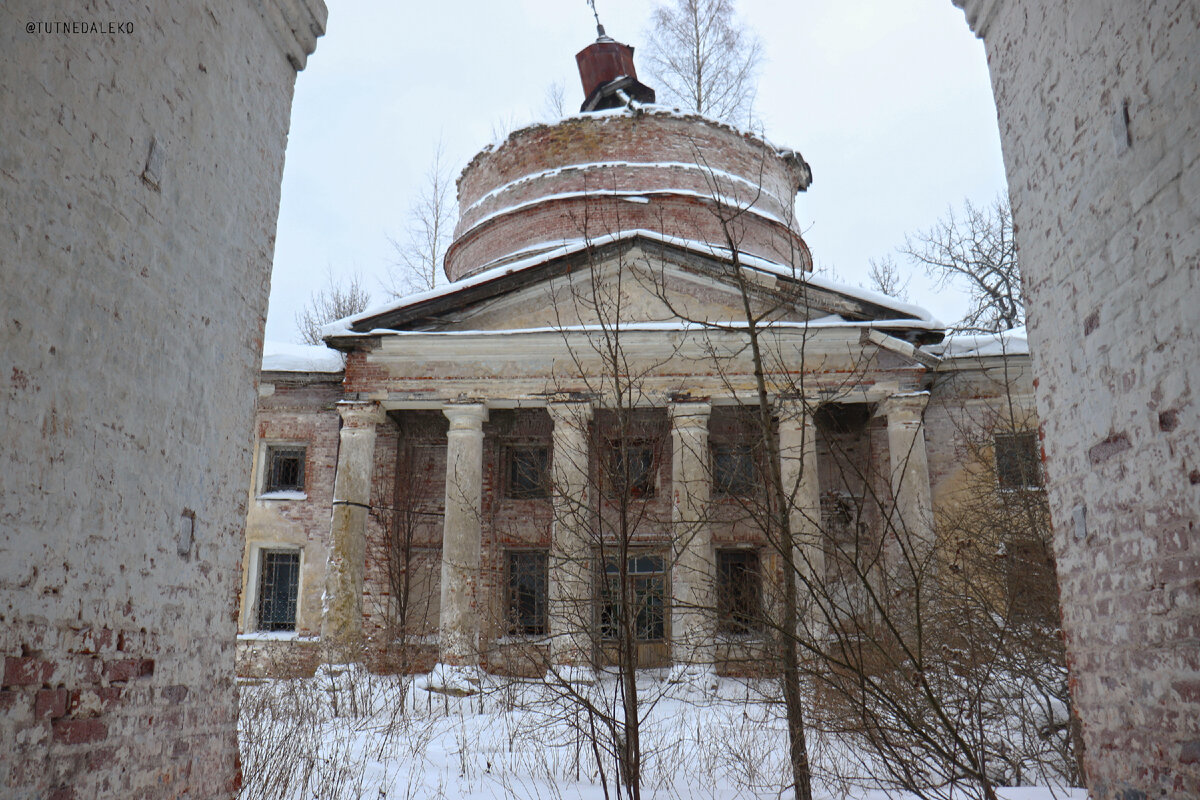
column 1100, row 125
column 652, row 170
column 139, row 173
column 292, row 411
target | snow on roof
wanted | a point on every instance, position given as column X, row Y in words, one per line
column 683, row 326
column 288, row 357
column 710, row 172
column 540, row 254
column 717, row 197
column 1007, row 343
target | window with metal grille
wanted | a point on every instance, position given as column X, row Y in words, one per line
column 739, row 591
column 527, row 592
column 632, row 467
column 528, row 471
column 278, row 585
column 1018, row 462
column 647, row 583
column 284, row 469
column 735, row 472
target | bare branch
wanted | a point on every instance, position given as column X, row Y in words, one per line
column 884, row 278
column 334, row 301
column 419, row 256
column 975, row 249
column 704, row 59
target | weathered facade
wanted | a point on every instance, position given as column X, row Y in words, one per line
column 141, row 152
column 1100, row 125
column 585, row 380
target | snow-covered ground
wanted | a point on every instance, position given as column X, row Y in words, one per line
column 352, row 735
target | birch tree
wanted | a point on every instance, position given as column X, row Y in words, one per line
column 704, row 59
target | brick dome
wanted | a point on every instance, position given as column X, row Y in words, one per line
column 597, row 174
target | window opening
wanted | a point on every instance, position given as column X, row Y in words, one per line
column 1018, row 462
column 647, row 592
column 631, row 467
column 734, row 470
column 528, row 572
column 285, row 470
column 739, row 591
column 528, row 472
column 278, row 583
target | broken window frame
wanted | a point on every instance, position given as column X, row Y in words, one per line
column 648, row 576
column 739, row 592
column 276, row 565
column 534, row 622
column 740, row 481
column 531, row 482
column 1018, row 461
column 643, row 474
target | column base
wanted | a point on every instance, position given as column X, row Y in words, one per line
column 454, row 679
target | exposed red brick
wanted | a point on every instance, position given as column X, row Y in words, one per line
column 23, row 671
column 79, row 731
column 51, row 703
column 126, row 669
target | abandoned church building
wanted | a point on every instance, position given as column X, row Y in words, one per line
column 481, row 469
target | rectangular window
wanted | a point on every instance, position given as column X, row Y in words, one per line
column 528, row 471
column 739, row 591
column 735, row 472
column 647, row 581
column 631, row 466
column 528, row 577
column 284, row 469
column 1018, row 462
column 278, row 586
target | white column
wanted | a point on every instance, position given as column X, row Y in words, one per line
column 341, row 613
column 461, row 534
column 912, row 510
column 693, row 571
column 570, row 552
column 801, row 482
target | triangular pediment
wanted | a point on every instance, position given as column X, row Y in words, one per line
column 636, row 278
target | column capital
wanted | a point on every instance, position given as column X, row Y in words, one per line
column 466, row 415
column 690, row 414
column 361, row 413
column 904, row 407
column 796, row 409
column 570, row 411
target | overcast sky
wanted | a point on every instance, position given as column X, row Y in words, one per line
column 889, row 102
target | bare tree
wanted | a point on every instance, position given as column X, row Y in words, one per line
column 937, row 653
column 975, row 249
column 554, row 104
column 884, row 277
column 704, row 59
column 334, row 301
column 419, row 256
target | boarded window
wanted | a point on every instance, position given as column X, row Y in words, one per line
column 527, row 592
column 1018, row 465
column 278, row 586
column 285, row 469
column 647, row 592
column 631, row 467
column 739, row 591
column 528, row 471
column 735, row 472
